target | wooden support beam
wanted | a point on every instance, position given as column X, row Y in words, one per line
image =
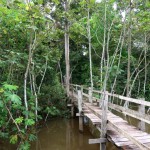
column 96, row 141
column 79, row 101
column 72, row 110
column 142, row 112
column 81, row 123
column 104, row 119
column 71, row 92
column 90, row 94
column 80, row 110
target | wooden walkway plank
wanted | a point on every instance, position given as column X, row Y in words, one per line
column 119, row 132
column 113, row 120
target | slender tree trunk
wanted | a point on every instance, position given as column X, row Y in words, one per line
column 25, row 81
column 121, row 43
column 39, row 88
column 31, row 87
column 129, row 53
column 132, row 85
column 118, row 66
column 104, row 122
column 35, row 94
column 129, row 58
column 66, row 6
column 31, row 48
column 104, row 52
column 90, row 53
column 145, row 56
column 61, row 76
column 103, row 63
column 140, row 61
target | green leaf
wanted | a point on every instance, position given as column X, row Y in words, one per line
column 32, row 137
column 56, row 2
column 1, row 90
column 15, row 99
column 19, row 120
column 92, row 1
column 1, row 104
column 29, row 122
column 13, row 139
column 3, row 135
column 9, row 87
column 25, row 146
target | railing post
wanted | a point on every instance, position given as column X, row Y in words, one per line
column 141, row 110
column 73, row 91
column 90, row 95
column 76, row 87
column 82, row 90
column 104, row 119
column 71, row 88
column 80, row 111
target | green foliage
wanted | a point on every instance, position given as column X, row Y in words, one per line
column 7, row 93
column 3, row 135
column 24, row 146
column 32, row 137
column 15, row 99
column 39, row 27
column 19, row 120
column 13, row 139
column 29, row 122
column 52, row 111
column 10, row 87
column 7, row 97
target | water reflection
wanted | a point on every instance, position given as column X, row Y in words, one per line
column 5, row 145
column 62, row 134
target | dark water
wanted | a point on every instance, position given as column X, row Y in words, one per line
column 5, row 145
column 61, row 134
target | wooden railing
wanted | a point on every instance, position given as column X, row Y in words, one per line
column 79, row 92
column 139, row 112
column 115, row 102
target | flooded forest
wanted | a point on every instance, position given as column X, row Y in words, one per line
column 59, row 59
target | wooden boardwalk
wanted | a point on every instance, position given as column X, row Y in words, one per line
column 118, row 131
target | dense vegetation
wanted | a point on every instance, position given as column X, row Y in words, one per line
column 43, row 43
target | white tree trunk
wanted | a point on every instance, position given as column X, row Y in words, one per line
column 39, row 88
column 66, row 6
column 103, row 53
column 129, row 53
column 31, row 48
column 25, row 81
column 145, row 55
column 90, row 53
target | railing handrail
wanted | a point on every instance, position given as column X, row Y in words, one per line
column 104, row 105
column 133, row 100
